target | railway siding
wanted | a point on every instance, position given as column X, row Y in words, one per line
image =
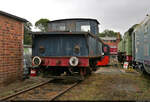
column 107, row 83
column 20, row 85
column 111, row 83
column 45, row 92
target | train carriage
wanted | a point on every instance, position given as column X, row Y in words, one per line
column 121, row 51
column 125, row 46
column 141, row 46
column 70, row 46
column 136, row 43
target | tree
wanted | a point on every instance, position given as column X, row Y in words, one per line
column 27, row 36
column 42, row 24
column 109, row 33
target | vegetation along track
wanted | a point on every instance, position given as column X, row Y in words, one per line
column 49, row 90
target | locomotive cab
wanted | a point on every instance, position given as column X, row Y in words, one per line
column 74, row 25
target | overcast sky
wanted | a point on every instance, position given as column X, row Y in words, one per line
column 117, row 15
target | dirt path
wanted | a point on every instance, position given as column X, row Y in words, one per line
column 111, row 83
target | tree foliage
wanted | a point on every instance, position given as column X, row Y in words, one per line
column 42, row 24
column 109, row 33
column 27, row 36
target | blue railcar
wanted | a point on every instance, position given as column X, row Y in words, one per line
column 141, row 46
column 70, row 46
column 65, row 44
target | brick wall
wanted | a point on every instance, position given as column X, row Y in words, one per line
column 11, row 49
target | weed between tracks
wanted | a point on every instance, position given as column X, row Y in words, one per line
column 64, row 81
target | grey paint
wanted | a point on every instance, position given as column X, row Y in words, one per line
column 133, row 45
column 142, row 43
column 139, row 53
column 73, row 25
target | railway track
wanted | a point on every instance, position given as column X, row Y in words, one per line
column 48, row 90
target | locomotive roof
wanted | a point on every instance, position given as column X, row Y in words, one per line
column 13, row 16
column 75, row 19
column 58, row 32
column 67, row 33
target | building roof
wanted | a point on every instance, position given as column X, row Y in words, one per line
column 108, row 38
column 13, row 16
column 75, row 19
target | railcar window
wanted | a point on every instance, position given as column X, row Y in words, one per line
column 114, row 40
column 58, row 27
column 145, row 29
column 136, row 50
column 62, row 28
column 85, row 28
column 146, row 50
column 99, row 48
column 105, row 49
column 54, row 27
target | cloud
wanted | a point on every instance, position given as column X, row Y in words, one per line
column 118, row 15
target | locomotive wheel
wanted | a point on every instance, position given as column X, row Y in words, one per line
column 69, row 72
column 94, row 69
column 45, row 74
column 93, row 65
column 88, row 70
column 141, row 68
column 82, row 73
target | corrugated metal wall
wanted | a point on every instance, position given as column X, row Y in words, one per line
column 64, row 45
column 60, row 45
column 142, row 42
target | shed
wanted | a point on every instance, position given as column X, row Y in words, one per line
column 11, row 47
